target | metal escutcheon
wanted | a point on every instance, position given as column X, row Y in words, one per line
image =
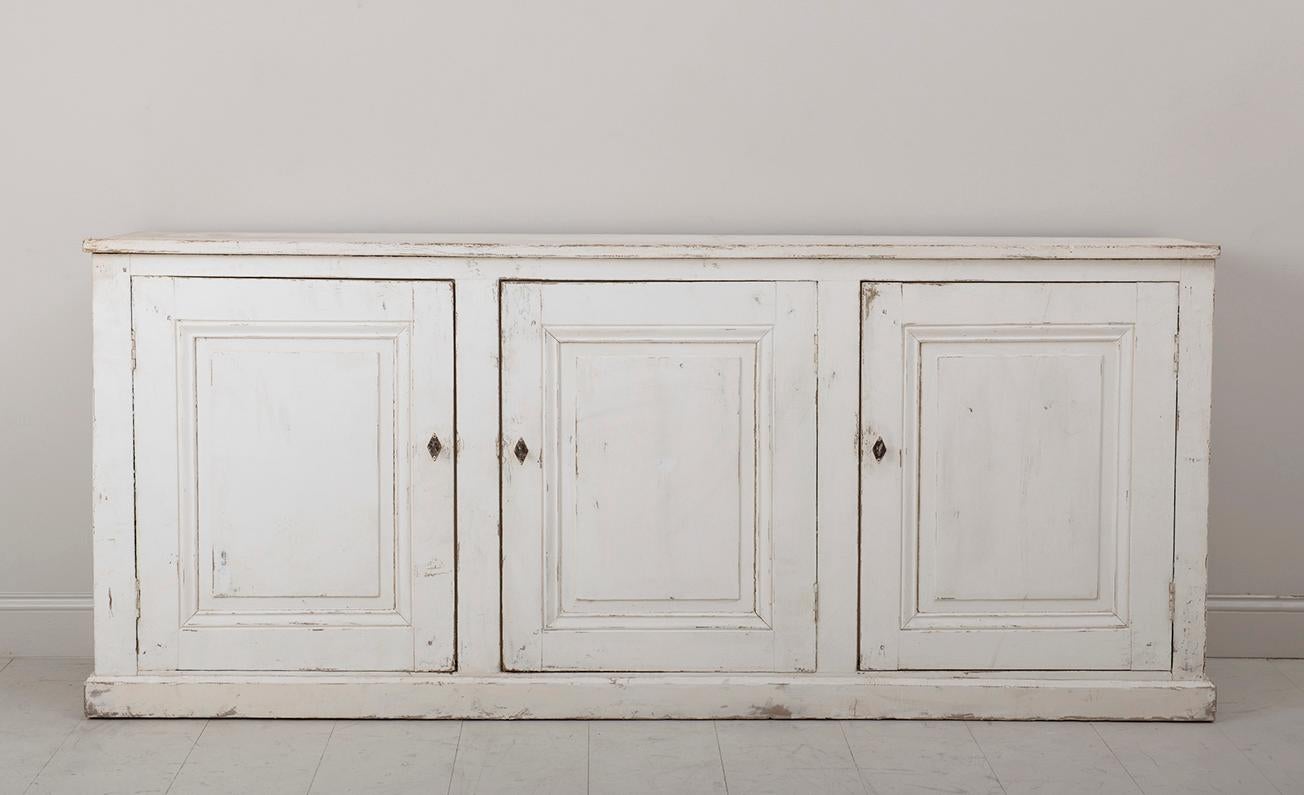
column 879, row 449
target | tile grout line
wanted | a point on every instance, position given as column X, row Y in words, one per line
column 1272, row 666
column 1114, row 754
column 1272, row 661
column 724, row 774
column 324, row 746
column 452, row 769
column 54, row 753
column 860, row 776
column 173, row 782
column 1253, row 764
column 983, row 753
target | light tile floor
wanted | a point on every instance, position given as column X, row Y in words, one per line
column 46, row 746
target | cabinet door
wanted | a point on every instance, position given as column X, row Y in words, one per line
column 292, row 513
column 658, row 475
column 1017, row 475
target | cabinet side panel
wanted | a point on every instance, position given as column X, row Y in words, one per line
column 113, row 469
column 1191, row 520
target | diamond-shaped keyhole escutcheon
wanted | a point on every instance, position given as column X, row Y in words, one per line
column 520, row 450
column 879, row 449
column 434, row 446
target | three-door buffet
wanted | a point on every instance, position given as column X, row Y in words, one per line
column 650, row 477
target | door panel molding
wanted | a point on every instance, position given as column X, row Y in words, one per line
column 1025, row 513
column 661, row 517
column 287, row 501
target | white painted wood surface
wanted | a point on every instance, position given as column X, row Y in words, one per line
column 689, row 499
column 1089, row 696
column 1194, row 407
column 113, row 502
column 657, row 246
column 670, row 429
column 1259, row 715
column 476, row 456
column 1026, row 437
column 291, row 514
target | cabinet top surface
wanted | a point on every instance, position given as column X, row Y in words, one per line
column 657, row 246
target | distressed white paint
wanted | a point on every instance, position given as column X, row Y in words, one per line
column 663, row 246
column 670, row 429
column 292, row 516
column 683, row 383
column 1028, row 437
column 476, row 456
column 647, row 696
column 1194, row 406
column 838, row 468
column 113, row 469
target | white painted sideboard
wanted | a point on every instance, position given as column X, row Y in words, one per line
column 650, row 477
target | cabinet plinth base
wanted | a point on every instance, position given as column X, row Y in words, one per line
column 646, row 696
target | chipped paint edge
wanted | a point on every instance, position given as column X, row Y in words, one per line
column 657, row 247
column 645, row 697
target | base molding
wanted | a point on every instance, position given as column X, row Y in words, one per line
column 1256, row 626
column 645, row 696
column 45, row 625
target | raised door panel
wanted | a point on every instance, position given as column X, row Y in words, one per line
column 1023, row 519
column 659, row 509
column 291, row 515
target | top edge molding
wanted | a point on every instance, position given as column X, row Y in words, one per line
column 652, row 247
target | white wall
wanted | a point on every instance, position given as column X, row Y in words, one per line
column 1119, row 117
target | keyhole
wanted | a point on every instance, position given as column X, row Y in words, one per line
column 879, row 449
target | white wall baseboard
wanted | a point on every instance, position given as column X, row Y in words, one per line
column 1256, row 626
column 1255, row 604
column 59, row 624
column 44, row 602
column 45, row 625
